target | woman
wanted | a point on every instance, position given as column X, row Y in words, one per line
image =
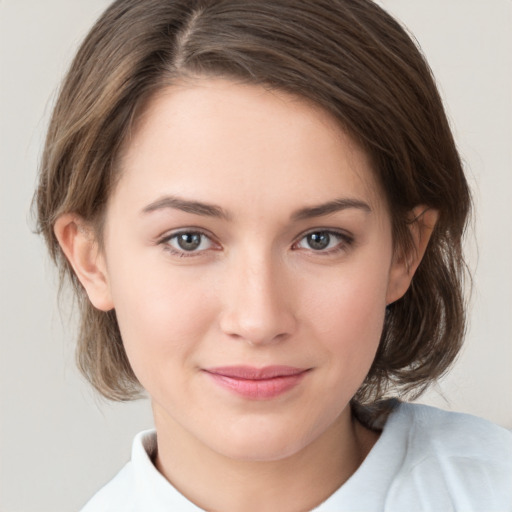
column 261, row 207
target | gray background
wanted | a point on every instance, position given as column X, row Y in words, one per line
column 59, row 442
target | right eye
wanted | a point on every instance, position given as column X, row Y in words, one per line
column 187, row 243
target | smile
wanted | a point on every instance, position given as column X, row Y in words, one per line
column 257, row 383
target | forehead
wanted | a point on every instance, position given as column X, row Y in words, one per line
column 227, row 140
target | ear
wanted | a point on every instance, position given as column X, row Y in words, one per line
column 78, row 242
column 423, row 221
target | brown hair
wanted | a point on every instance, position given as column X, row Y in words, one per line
column 348, row 56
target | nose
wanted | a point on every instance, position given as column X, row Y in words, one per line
column 257, row 302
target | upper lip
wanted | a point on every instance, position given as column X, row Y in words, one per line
column 253, row 373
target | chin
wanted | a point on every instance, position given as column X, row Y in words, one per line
column 260, row 443
column 264, row 451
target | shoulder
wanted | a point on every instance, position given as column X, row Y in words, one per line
column 121, row 492
column 450, row 434
column 467, row 460
column 139, row 487
column 429, row 460
column 115, row 495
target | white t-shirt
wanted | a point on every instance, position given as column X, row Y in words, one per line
column 426, row 459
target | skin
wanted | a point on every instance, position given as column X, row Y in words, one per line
column 253, row 292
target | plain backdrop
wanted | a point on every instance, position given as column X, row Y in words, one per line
column 59, row 442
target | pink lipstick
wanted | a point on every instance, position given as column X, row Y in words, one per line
column 257, row 383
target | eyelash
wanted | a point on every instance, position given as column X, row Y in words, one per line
column 345, row 241
column 182, row 253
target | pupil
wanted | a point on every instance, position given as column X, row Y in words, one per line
column 189, row 241
column 319, row 241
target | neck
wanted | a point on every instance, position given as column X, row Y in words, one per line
column 296, row 483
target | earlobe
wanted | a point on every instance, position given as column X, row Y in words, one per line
column 78, row 242
column 422, row 224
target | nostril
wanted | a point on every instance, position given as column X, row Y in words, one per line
column 267, row 330
column 257, row 307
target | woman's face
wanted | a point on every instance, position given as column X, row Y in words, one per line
column 248, row 256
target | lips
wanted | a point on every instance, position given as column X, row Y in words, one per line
column 257, row 383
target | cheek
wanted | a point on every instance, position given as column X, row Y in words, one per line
column 348, row 315
column 162, row 314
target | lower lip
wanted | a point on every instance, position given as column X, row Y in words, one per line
column 258, row 389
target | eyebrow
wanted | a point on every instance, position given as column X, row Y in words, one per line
column 188, row 206
column 330, row 207
column 211, row 210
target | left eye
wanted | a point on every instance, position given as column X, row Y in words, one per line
column 321, row 241
column 188, row 241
